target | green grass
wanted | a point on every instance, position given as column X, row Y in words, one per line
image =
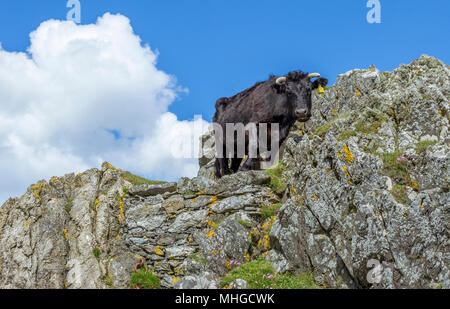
column 244, row 222
column 368, row 128
column 96, row 251
column 198, row 257
column 108, row 282
column 399, row 193
column 346, row 135
column 254, row 271
column 68, row 206
column 137, row 180
column 189, row 192
column 144, row 279
column 393, row 168
column 270, row 210
column 277, row 185
column 371, row 123
column 322, row 130
column 372, row 150
column 422, row 146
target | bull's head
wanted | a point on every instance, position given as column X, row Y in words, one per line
column 298, row 87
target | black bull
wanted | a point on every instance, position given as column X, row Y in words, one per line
column 281, row 101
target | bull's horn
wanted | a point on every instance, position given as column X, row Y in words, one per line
column 313, row 75
column 281, row 80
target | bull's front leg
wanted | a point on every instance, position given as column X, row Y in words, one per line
column 218, row 172
column 249, row 165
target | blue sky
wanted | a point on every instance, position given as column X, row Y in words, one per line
column 218, row 48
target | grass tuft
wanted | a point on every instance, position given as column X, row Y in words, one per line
column 346, row 135
column 253, row 272
column 144, row 279
column 270, row 210
column 393, row 168
column 322, row 130
column 244, row 222
column 422, row 146
column 96, row 251
column 137, row 180
column 399, row 193
column 277, row 185
column 68, row 206
column 198, row 257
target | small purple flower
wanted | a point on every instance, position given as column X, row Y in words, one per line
column 402, row 159
column 268, row 276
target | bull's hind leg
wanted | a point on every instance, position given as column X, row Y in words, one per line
column 222, row 166
column 225, row 169
column 235, row 164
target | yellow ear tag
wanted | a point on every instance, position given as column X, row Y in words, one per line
column 320, row 90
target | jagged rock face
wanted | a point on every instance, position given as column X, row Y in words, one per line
column 368, row 180
column 91, row 230
column 47, row 237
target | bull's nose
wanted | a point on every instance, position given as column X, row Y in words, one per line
column 301, row 113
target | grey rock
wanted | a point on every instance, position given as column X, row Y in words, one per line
column 230, row 241
column 207, row 155
column 204, row 281
column 47, row 236
column 173, row 204
column 238, row 284
column 187, row 220
column 179, row 252
column 151, row 190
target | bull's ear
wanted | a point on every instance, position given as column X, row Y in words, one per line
column 321, row 81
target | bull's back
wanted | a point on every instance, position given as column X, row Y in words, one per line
column 251, row 106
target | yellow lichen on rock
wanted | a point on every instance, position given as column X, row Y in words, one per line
column 348, row 154
column 158, row 251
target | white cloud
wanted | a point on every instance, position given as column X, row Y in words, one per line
column 84, row 94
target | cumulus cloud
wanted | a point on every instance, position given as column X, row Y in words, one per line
column 84, row 94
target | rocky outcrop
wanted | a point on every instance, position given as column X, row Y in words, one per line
column 48, row 236
column 368, row 180
column 91, row 230
column 364, row 202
